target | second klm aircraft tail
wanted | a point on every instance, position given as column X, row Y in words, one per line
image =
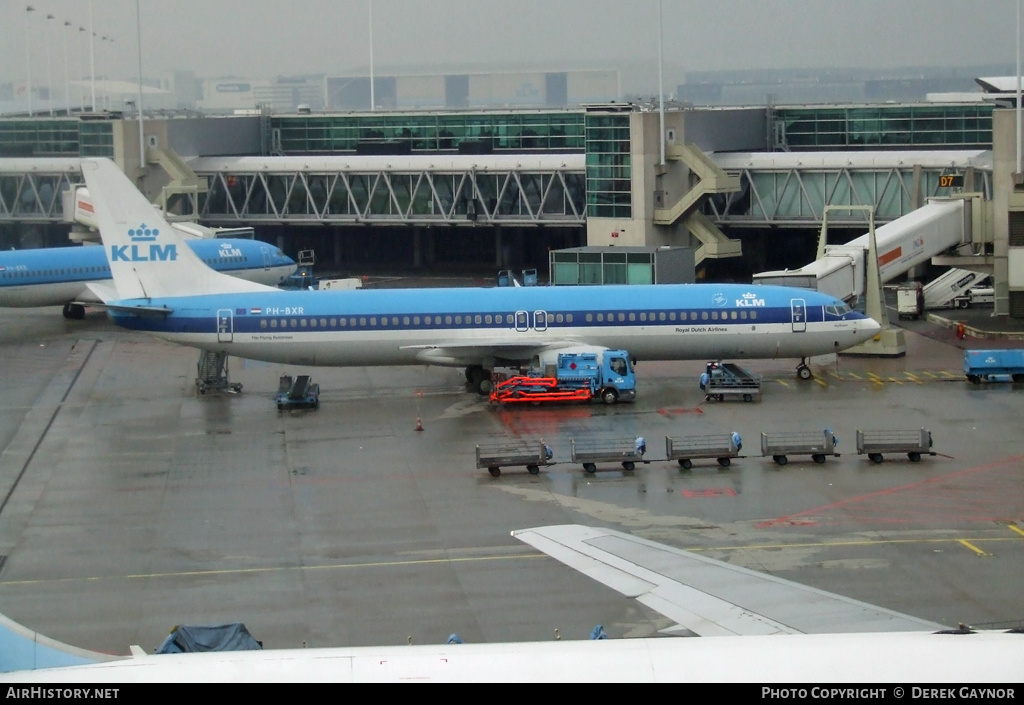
column 148, row 259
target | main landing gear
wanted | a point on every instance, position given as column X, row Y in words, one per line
column 74, row 312
column 802, row 370
column 479, row 380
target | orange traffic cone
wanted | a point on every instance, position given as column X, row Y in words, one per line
column 419, row 424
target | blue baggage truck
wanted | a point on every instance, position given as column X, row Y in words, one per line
column 994, row 365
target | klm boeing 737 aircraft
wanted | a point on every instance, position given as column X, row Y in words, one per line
column 164, row 289
column 74, row 276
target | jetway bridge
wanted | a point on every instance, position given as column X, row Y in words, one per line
column 792, row 189
column 945, row 226
column 776, row 189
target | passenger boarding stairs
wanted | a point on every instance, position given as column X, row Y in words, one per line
column 950, row 289
column 212, row 373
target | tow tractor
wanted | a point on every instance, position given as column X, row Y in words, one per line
column 578, row 376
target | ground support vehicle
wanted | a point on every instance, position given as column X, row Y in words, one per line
column 819, row 445
column 573, row 377
column 300, row 393
column 724, row 379
column 991, row 365
column 910, row 300
column 915, row 442
column 590, row 452
column 495, row 455
column 685, row 449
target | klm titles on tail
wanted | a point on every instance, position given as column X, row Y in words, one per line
column 140, row 253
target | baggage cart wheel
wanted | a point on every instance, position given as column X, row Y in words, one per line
column 748, row 397
column 914, row 456
column 724, row 462
column 533, row 469
column 494, row 470
column 589, row 468
column 721, row 397
column 818, row 458
column 875, row 457
column 685, row 463
column 628, row 465
column 780, row 459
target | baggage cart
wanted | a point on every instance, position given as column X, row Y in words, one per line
column 590, row 452
column 685, row 449
column 817, row 444
column 495, row 455
column 915, row 442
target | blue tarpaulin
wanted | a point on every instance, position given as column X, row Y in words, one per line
column 211, row 637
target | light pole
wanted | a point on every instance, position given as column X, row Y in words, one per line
column 108, row 54
column 49, row 70
column 92, row 57
column 373, row 100
column 81, row 62
column 28, row 52
column 67, row 74
column 138, row 36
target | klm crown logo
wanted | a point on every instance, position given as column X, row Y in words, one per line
column 749, row 299
column 143, row 233
column 143, row 247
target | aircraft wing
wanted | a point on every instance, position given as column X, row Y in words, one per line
column 470, row 351
column 706, row 597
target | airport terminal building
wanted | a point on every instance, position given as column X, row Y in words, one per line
column 486, row 188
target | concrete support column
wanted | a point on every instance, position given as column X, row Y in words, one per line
column 336, row 246
column 417, row 248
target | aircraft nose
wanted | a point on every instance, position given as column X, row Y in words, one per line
column 870, row 326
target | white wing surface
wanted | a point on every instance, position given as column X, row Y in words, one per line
column 707, row 597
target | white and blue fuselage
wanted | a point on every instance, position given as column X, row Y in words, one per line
column 58, row 275
column 488, row 326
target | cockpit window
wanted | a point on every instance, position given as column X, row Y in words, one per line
column 838, row 310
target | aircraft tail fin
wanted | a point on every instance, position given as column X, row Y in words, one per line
column 148, row 258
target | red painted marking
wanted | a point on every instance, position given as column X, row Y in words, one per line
column 890, row 256
column 710, row 492
column 678, row 411
column 946, row 495
column 85, row 206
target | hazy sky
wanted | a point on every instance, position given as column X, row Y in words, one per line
column 267, row 38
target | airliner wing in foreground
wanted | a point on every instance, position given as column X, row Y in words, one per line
column 478, row 329
column 77, row 276
column 705, row 597
column 845, row 641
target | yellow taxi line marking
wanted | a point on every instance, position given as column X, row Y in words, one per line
column 1017, row 529
column 973, row 547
